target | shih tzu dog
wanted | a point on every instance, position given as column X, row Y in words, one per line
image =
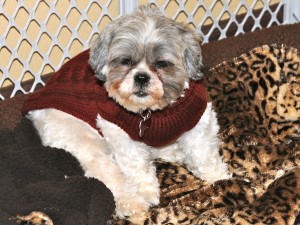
column 153, row 106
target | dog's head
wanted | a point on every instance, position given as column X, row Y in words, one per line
column 146, row 59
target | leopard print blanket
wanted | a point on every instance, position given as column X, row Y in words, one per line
column 257, row 98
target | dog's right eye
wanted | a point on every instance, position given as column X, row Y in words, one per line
column 162, row 64
column 126, row 62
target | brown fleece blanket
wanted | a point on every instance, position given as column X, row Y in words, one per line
column 256, row 97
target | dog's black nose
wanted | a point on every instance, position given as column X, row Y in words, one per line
column 141, row 78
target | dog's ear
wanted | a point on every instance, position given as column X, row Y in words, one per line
column 192, row 54
column 99, row 52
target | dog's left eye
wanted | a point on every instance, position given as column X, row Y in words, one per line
column 161, row 64
column 126, row 62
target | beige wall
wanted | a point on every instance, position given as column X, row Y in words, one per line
column 64, row 34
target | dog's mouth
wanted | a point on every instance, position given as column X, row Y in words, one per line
column 141, row 94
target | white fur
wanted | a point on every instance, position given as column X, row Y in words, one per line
column 148, row 34
column 126, row 166
column 104, row 69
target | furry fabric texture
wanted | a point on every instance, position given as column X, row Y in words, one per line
column 256, row 97
column 38, row 178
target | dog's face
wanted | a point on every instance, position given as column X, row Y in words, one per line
column 146, row 59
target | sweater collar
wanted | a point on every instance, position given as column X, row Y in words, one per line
column 160, row 127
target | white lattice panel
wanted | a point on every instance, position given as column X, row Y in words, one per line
column 206, row 16
column 38, row 48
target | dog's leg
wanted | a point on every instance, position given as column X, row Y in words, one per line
column 201, row 148
column 134, row 160
column 60, row 130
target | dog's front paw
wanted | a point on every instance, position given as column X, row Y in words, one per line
column 150, row 192
column 211, row 173
column 131, row 206
column 152, row 197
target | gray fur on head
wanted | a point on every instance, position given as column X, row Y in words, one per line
column 183, row 40
column 99, row 51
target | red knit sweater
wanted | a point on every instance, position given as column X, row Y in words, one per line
column 75, row 90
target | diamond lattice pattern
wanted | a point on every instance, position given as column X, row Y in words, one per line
column 37, row 37
column 222, row 18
